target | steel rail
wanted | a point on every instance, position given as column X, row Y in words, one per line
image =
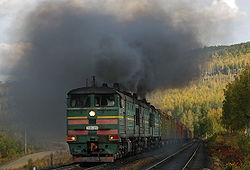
column 192, row 156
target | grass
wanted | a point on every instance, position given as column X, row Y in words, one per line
column 59, row 158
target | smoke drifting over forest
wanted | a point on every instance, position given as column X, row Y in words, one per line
column 143, row 47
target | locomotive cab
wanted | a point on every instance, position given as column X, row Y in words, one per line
column 93, row 115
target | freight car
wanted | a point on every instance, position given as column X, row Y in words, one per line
column 104, row 124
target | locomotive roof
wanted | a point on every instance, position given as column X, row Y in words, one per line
column 92, row 90
column 109, row 90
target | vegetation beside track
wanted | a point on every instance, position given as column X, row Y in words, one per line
column 10, row 147
column 53, row 160
column 233, row 146
column 229, row 151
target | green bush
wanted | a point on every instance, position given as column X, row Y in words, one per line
column 245, row 165
column 244, row 144
column 10, row 147
column 29, row 164
column 212, row 138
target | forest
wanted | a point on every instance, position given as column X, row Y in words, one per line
column 199, row 105
column 216, row 106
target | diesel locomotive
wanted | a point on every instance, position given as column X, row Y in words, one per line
column 107, row 123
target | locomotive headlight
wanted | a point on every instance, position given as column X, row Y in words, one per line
column 113, row 137
column 92, row 113
column 71, row 138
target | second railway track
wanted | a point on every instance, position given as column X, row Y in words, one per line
column 179, row 160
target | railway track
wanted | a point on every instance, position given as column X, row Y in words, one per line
column 191, row 158
column 67, row 166
column 179, row 160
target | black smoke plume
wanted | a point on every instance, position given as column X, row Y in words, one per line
column 146, row 51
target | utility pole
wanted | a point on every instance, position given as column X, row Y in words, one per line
column 93, row 81
column 87, row 82
column 25, row 141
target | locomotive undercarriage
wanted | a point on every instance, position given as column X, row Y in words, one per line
column 133, row 146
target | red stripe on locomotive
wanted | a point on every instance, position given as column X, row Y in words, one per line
column 77, row 122
column 107, row 121
column 107, row 132
column 77, row 132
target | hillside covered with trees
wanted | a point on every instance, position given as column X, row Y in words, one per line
column 199, row 105
column 216, row 106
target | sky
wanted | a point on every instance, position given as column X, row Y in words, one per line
column 235, row 13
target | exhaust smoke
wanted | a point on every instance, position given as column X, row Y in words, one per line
column 140, row 45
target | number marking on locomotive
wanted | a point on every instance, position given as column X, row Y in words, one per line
column 92, row 128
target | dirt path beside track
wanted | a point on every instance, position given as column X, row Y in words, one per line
column 19, row 163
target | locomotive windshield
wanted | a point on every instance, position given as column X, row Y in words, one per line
column 104, row 100
column 80, row 101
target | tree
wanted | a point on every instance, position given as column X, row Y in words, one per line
column 236, row 106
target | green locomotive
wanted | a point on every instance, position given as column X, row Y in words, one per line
column 104, row 124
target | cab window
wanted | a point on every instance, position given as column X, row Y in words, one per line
column 80, row 101
column 104, row 100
